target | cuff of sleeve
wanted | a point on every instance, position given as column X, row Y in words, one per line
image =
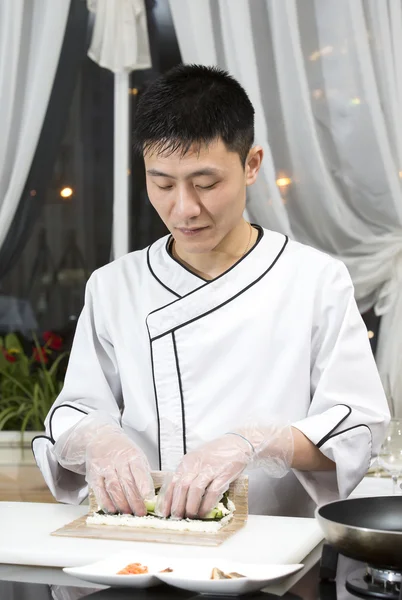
column 348, row 447
column 319, row 428
column 65, row 485
column 351, row 452
column 64, row 417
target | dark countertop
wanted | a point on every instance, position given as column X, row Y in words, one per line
column 310, row 587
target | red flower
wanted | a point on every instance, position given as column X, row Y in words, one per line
column 40, row 355
column 53, row 340
column 10, row 357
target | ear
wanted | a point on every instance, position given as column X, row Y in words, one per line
column 253, row 164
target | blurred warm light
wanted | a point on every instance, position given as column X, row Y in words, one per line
column 400, row 174
column 32, row 193
column 355, row 101
column 323, row 52
column 128, row 171
column 371, row 335
column 283, row 181
column 318, row 94
column 66, row 192
column 133, row 91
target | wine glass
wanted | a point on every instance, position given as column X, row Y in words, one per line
column 390, row 455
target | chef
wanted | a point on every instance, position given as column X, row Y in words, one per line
column 223, row 348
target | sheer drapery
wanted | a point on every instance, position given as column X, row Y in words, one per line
column 120, row 35
column 325, row 78
column 31, row 36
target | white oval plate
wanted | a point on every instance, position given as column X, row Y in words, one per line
column 105, row 571
column 194, row 576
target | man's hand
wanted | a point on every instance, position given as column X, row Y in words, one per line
column 115, row 468
column 203, row 476
column 118, row 472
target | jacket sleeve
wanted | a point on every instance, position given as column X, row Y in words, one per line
column 348, row 414
column 92, row 382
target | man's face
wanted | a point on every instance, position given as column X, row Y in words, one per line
column 201, row 196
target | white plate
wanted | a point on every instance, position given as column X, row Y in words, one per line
column 105, row 571
column 192, row 575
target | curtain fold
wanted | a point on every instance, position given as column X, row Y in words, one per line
column 32, row 198
column 31, row 36
column 325, row 78
column 120, row 36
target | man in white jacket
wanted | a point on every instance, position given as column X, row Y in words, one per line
column 223, row 348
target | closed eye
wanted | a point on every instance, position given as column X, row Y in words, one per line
column 207, row 187
column 165, row 187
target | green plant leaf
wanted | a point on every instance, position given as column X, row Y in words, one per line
column 11, row 400
column 9, row 413
column 3, row 361
column 39, row 349
column 12, row 342
column 24, row 363
column 56, row 363
column 27, row 389
column 41, row 407
column 26, row 420
column 24, row 388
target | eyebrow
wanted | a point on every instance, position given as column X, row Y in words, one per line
column 198, row 173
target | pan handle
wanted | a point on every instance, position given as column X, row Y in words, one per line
column 328, row 563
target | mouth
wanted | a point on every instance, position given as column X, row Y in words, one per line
column 191, row 231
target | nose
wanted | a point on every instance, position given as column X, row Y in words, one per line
column 187, row 205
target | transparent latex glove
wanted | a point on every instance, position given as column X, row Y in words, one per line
column 115, row 468
column 206, row 473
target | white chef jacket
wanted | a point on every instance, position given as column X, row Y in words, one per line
column 180, row 361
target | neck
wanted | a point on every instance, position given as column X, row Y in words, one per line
column 231, row 249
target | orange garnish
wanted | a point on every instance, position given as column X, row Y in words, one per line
column 133, row 569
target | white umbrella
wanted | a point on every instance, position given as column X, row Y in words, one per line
column 120, row 43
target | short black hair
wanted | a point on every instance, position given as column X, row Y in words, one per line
column 193, row 105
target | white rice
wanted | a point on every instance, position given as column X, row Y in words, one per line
column 155, row 523
column 151, row 522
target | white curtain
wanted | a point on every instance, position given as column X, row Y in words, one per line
column 120, row 35
column 325, row 78
column 31, row 36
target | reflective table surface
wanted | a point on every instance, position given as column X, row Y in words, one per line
column 325, row 581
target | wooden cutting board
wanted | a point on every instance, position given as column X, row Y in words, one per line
column 238, row 493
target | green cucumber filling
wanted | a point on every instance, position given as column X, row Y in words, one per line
column 221, row 510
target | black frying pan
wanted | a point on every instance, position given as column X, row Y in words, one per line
column 366, row 529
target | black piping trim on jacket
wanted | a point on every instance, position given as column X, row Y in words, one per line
column 349, row 429
column 219, row 276
column 37, row 437
column 52, row 414
column 173, row 302
column 157, row 278
column 356, row 427
column 226, row 301
column 168, row 251
column 329, row 434
column 167, row 248
column 156, row 400
column 183, row 414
